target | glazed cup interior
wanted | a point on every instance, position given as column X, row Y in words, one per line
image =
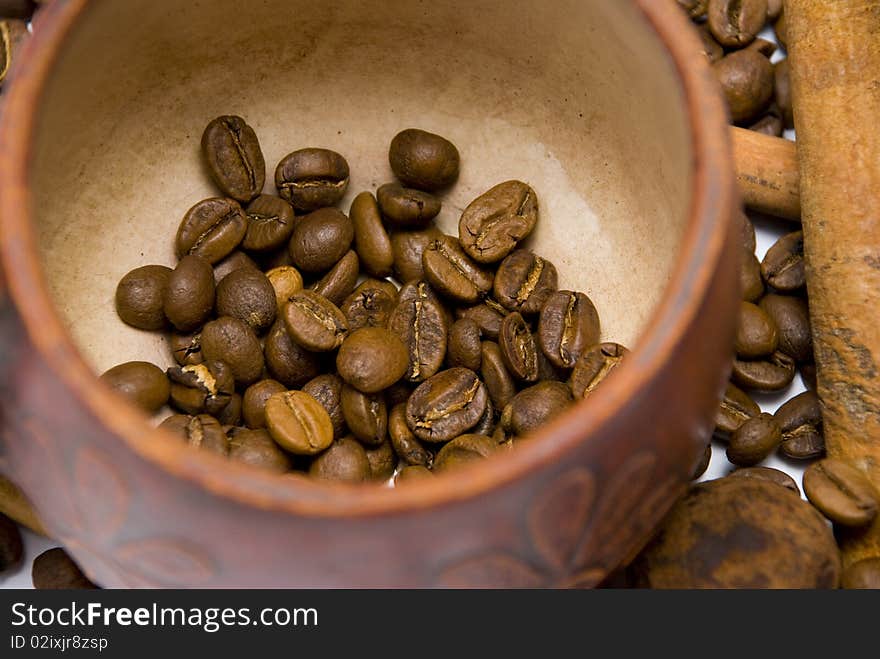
column 579, row 99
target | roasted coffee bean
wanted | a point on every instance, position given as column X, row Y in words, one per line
column 234, row 157
column 783, row 265
column 340, row 281
column 235, row 261
column 408, row 247
column 808, row 376
column 763, row 46
column 769, row 124
column 594, row 366
column 464, row 345
column 276, row 258
column 446, row 405
column 488, row 315
column 518, row 348
column 524, row 281
column 772, row 373
column 406, row 208
column 399, row 392
column 231, row 414
column 768, row 474
column 750, row 277
column 233, row 341
column 212, row 229
column 792, row 317
column 756, row 333
column 312, row 178
column 327, row 390
column 253, row 406
column 703, row 464
column 370, row 305
column 713, row 50
column 735, row 23
column 202, row 388
column 285, row 281
column 144, row 384
column 493, row 223
column 499, row 383
column 298, row 422
column 412, row 473
column 486, row 424
column 54, row 569
column 452, row 273
column 782, row 91
column 754, row 440
column 270, row 222
column 248, row 295
column 365, row 414
column 371, row 359
column 202, row 432
column 694, row 8
column 11, row 546
column 548, row 371
column 320, row 239
column 863, row 574
column 747, row 232
column 406, row 445
column 535, row 406
column 841, row 492
column 287, row 361
column 423, row 160
column 314, row 322
column 568, row 325
column 140, row 297
column 383, row 461
column 419, row 320
column 189, row 299
column 735, row 408
column 746, row 78
column 258, row 449
column 463, row 450
column 344, row 460
column 740, row 533
column 371, row 242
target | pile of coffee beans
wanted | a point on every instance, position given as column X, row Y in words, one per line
column 296, row 348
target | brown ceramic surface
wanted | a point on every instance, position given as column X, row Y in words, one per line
column 625, row 143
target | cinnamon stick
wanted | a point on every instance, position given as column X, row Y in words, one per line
column 834, row 53
column 767, row 173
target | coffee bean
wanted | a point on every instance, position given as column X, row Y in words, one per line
column 327, row 390
column 754, row 440
column 254, row 401
column 408, row 247
column 412, row 473
column 486, row 424
column 464, row 345
column 862, row 574
column 524, row 281
column 312, row 178
column 234, row 261
column 783, row 265
column 770, row 123
column 298, row 422
column 399, row 392
column 735, row 23
column 782, row 91
column 535, row 406
column 11, row 545
column 371, row 242
column 344, row 460
column 747, row 232
column 492, row 225
column 285, row 281
column 55, row 570
column 248, row 295
column 340, row 281
column 287, row 361
column 694, row 8
column 703, row 464
column 808, row 376
column 518, row 348
column 201, row 432
column 371, row 359
column 568, row 325
column 314, row 322
column 446, row 405
column 140, row 297
column 841, row 492
column 712, row 50
column 406, row 208
column 735, row 408
column 419, row 320
column 212, row 229
column 275, row 258
column 189, row 299
column 594, row 366
column 202, row 388
column 762, row 46
column 406, row 445
column 257, row 448
column 750, row 277
column 383, row 461
column 768, row 474
column 270, row 222
column 320, row 239
column 463, row 450
column 231, row 414
column 499, row 383
column 365, row 414
column 452, row 273
column 756, row 333
column 792, row 317
column 233, row 341
column 746, row 79
column 234, row 158
column 772, row 373
column 370, row 305
column 488, row 315
column 423, row 160
column 144, row 384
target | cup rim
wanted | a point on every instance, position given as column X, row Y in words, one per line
column 712, row 197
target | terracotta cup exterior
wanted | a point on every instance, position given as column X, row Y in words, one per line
column 607, row 109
